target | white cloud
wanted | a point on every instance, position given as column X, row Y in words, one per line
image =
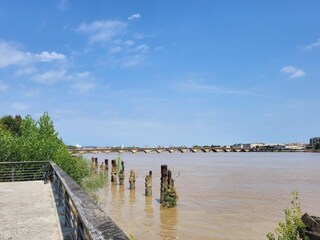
column 82, row 86
column 134, row 16
column 51, row 77
column 11, row 55
column 202, row 87
column 63, row 4
column 3, row 87
column 293, row 72
column 139, row 36
column 48, row 57
column 122, row 51
column 20, row 106
column 141, row 48
column 158, row 48
column 25, row 71
column 132, row 61
column 83, row 74
column 115, row 49
column 101, row 31
column 32, row 92
column 313, row 45
column 129, row 43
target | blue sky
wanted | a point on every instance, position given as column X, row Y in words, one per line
column 164, row 72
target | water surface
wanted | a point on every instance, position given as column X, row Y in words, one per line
column 221, row 195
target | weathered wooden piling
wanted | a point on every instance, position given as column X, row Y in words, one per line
column 92, row 164
column 96, row 165
column 164, row 181
column 113, row 172
column 106, row 166
column 121, row 174
column 132, row 180
column 168, row 194
column 101, row 169
column 148, row 184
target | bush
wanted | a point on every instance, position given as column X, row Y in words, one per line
column 94, row 181
column 289, row 230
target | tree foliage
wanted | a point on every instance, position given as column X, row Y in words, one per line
column 11, row 124
column 37, row 141
column 289, row 230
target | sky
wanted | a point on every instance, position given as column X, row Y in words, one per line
column 170, row 72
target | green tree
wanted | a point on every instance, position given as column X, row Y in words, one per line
column 7, row 146
column 38, row 141
column 12, row 124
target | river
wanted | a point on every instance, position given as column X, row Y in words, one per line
column 221, row 195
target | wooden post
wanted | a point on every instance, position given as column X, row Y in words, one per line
column 113, row 172
column 132, row 180
column 101, row 169
column 121, row 174
column 168, row 192
column 148, row 184
column 164, row 181
column 96, row 165
column 92, row 164
column 106, row 166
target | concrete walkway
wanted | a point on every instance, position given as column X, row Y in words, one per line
column 28, row 211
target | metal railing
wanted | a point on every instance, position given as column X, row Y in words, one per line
column 82, row 219
column 24, row 171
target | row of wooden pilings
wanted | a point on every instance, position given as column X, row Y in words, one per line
column 166, row 183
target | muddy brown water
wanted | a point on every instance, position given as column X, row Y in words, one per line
column 221, row 195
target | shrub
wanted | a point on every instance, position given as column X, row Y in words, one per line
column 289, row 230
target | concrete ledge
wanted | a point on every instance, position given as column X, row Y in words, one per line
column 27, row 211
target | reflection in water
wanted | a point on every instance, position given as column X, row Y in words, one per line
column 132, row 197
column 121, row 195
column 148, row 209
column 114, row 194
column 168, row 223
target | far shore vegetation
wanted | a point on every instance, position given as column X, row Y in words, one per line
column 37, row 140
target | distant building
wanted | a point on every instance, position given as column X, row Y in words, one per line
column 78, row 145
column 314, row 141
column 291, row 146
column 238, row 146
column 252, row 145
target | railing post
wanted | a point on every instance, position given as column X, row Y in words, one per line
column 13, row 174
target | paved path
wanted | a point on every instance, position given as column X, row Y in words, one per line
column 27, row 211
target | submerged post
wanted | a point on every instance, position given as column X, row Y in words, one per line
column 101, row 169
column 121, row 174
column 106, row 165
column 169, row 194
column 148, row 184
column 113, row 172
column 164, row 181
column 96, row 165
column 132, row 180
column 92, row 164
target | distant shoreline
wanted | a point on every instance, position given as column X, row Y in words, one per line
column 107, row 150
